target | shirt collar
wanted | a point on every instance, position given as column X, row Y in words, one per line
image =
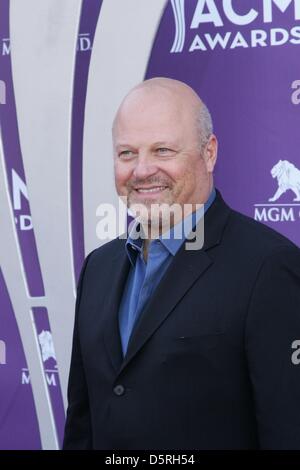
column 134, row 243
column 171, row 240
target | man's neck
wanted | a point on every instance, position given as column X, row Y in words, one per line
column 154, row 231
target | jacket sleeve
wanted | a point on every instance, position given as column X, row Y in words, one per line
column 78, row 433
column 272, row 337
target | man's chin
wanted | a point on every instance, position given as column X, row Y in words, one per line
column 141, row 211
column 153, row 215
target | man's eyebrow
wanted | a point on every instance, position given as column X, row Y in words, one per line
column 160, row 143
column 164, row 143
column 122, row 144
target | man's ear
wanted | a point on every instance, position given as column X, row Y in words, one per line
column 210, row 153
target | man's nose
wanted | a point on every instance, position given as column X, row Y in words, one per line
column 145, row 166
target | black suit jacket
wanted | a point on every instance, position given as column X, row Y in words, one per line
column 209, row 364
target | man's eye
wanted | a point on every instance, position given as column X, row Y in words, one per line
column 163, row 151
column 126, row 154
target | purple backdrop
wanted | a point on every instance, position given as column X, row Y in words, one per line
column 244, row 63
column 249, row 93
column 18, row 421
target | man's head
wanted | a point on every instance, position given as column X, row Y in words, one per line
column 164, row 149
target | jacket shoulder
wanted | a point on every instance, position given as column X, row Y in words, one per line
column 255, row 234
column 108, row 250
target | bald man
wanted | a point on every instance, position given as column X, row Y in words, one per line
column 183, row 345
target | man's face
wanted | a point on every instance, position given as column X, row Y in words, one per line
column 157, row 155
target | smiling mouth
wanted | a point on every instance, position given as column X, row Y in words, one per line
column 154, row 189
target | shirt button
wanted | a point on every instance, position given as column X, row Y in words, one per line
column 119, row 390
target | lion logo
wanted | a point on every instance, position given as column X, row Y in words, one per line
column 47, row 347
column 288, row 177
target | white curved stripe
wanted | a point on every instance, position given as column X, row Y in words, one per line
column 176, row 38
column 123, row 41
column 179, row 17
column 182, row 24
column 15, row 279
column 43, row 45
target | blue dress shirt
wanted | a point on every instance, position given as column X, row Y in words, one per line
column 144, row 277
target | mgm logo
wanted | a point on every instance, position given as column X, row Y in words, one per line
column 288, row 180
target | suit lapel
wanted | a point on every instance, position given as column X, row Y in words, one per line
column 186, row 267
column 179, row 278
column 119, row 268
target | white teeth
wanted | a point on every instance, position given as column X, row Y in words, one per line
column 151, row 190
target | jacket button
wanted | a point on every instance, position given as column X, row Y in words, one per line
column 119, row 390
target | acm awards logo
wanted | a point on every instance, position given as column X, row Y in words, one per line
column 19, row 191
column 5, row 46
column 215, row 12
column 84, row 44
column 48, row 357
